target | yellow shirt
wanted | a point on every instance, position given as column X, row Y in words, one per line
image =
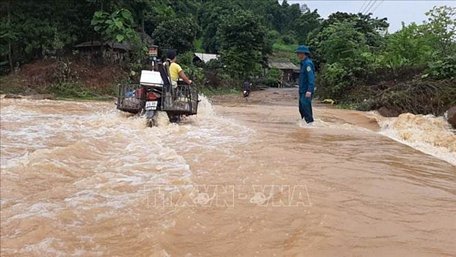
column 174, row 70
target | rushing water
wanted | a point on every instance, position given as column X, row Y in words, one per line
column 81, row 179
column 429, row 134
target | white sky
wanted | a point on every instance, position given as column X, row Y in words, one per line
column 395, row 11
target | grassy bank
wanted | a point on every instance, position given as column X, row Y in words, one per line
column 66, row 78
column 61, row 91
column 78, row 91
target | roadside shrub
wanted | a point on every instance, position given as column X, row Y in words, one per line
column 274, row 74
column 64, row 73
column 444, row 68
column 213, row 72
column 334, row 81
column 70, row 90
column 418, row 97
column 273, row 35
column 289, row 39
column 195, row 73
column 185, row 59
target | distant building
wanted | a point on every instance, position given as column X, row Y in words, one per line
column 205, row 58
column 112, row 51
column 290, row 71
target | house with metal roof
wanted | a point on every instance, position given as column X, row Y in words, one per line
column 290, row 71
column 205, row 58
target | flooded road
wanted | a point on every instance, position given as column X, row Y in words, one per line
column 241, row 179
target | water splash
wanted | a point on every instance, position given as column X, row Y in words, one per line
column 205, row 108
column 427, row 133
column 321, row 124
column 100, row 159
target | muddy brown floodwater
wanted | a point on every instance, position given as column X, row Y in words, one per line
column 240, row 179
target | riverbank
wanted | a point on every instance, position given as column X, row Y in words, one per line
column 65, row 78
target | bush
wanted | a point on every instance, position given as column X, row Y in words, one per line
column 196, row 74
column 273, row 35
column 274, row 74
column 243, row 43
column 443, row 69
column 408, row 46
column 214, row 64
column 177, row 33
column 70, row 90
column 334, row 81
column 418, row 97
column 213, row 72
column 64, row 73
column 185, row 59
column 289, row 39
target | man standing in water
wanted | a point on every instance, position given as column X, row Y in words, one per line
column 306, row 84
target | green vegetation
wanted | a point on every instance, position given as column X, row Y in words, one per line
column 115, row 26
column 70, row 90
column 411, row 70
column 358, row 62
column 242, row 43
column 281, row 47
column 177, row 33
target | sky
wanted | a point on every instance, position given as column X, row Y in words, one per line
column 396, row 11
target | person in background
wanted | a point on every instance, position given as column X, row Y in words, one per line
column 175, row 70
column 246, row 87
column 306, row 84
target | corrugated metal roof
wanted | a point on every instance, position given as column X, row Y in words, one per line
column 283, row 65
column 112, row 44
column 88, row 44
column 206, row 57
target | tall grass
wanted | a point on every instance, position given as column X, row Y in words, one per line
column 280, row 47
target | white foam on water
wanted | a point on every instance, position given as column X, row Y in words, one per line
column 205, row 108
column 43, row 247
column 321, row 124
column 205, row 130
column 46, row 247
column 426, row 133
column 39, row 209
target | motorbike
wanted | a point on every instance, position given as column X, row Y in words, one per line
column 155, row 93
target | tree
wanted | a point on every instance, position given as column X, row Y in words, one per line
column 154, row 16
column 408, row 46
column 343, row 43
column 116, row 26
column 306, row 23
column 370, row 27
column 178, row 33
column 343, row 50
column 211, row 17
column 442, row 24
column 185, row 7
column 242, row 41
column 6, row 35
column 40, row 27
